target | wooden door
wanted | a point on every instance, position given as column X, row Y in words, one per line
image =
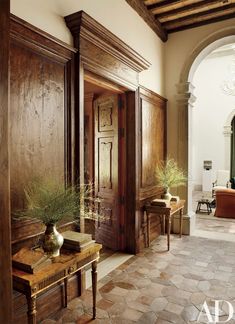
column 106, row 170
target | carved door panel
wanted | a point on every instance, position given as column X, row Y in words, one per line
column 106, row 169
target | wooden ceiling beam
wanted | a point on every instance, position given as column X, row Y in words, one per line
column 202, row 18
column 201, row 23
column 149, row 18
column 206, row 5
column 171, row 5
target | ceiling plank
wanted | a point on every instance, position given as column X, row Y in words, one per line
column 192, row 9
column 201, row 23
column 173, row 6
column 151, row 2
column 153, row 23
column 194, row 19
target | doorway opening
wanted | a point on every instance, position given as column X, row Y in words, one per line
column 210, row 144
column 104, row 160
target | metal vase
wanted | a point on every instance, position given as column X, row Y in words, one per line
column 52, row 241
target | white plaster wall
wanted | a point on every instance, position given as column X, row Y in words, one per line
column 116, row 15
column 179, row 48
column 210, row 113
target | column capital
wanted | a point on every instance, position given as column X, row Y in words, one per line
column 185, row 93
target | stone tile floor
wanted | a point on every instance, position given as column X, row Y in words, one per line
column 210, row 222
column 162, row 287
column 215, row 224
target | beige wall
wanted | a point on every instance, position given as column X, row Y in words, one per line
column 116, row 15
column 179, row 48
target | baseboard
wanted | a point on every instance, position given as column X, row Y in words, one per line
column 189, row 222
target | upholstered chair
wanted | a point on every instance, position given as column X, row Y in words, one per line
column 225, row 203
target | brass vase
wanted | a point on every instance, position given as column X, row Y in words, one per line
column 52, row 241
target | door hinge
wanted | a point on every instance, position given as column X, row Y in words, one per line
column 121, row 132
column 121, row 229
column 121, row 200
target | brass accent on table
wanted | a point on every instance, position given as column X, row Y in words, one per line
column 68, row 263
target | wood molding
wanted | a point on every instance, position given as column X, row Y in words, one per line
column 152, row 96
column 103, row 53
column 149, row 18
column 36, row 39
column 81, row 24
column 5, row 227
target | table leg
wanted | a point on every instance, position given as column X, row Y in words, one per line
column 94, row 286
column 168, row 231
column 31, row 309
column 65, row 292
column 148, row 228
column 181, row 221
column 164, row 224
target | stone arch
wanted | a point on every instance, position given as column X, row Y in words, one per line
column 185, row 100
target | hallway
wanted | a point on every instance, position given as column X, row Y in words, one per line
column 162, row 287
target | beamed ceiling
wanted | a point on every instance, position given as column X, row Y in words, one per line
column 169, row 16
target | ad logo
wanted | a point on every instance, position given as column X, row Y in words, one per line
column 214, row 316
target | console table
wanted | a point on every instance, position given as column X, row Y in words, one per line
column 166, row 214
column 68, row 263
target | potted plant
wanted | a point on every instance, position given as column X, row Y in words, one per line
column 49, row 201
column 169, row 175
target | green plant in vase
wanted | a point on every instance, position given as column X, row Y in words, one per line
column 169, row 175
column 49, row 201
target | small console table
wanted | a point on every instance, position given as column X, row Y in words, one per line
column 67, row 264
column 166, row 214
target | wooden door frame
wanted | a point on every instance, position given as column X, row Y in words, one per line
column 114, row 62
column 5, row 218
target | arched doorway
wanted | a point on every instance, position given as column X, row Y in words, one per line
column 185, row 102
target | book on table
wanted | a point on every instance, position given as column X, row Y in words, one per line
column 30, row 260
column 160, row 202
column 77, row 241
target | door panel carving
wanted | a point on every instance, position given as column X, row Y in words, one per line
column 105, row 118
column 105, row 163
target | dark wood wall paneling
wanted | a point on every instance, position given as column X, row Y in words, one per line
column 5, row 233
column 40, row 124
column 41, row 132
column 151, row 150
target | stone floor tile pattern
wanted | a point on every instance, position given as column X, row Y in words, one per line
column 161, row 287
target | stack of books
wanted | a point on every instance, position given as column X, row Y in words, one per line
column 160, row 202
column 77, row 241
column 30, row 260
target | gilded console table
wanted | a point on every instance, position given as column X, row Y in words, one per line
column 67, row 264
column 166, row 214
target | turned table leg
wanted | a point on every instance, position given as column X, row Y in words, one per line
column 148, row 229
column 181, row 221
column 65, row 292
column 31, row 309
column 168, row 232
column 94, row 286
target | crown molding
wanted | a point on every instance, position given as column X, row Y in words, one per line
column 82, row 26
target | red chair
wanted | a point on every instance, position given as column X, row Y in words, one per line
column 225, row 203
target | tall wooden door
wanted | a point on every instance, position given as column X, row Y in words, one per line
column 106, row 170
